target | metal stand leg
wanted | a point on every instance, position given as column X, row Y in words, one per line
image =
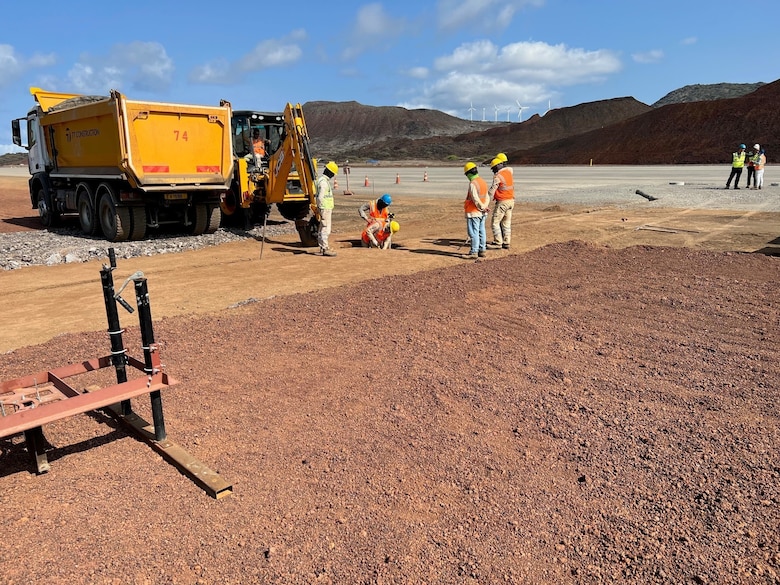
column 36, row 445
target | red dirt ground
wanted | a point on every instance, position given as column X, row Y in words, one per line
column 574, row 413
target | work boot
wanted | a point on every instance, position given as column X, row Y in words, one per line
column 492, row 246
column 736, row 187
column 505, row 246
column 481, row 253
column 471, row 256
column 328, row 252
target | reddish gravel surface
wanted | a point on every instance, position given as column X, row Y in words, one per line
column 574, row 414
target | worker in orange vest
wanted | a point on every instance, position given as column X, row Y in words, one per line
column 379, row 234
column 502, row 191
column 476, row 209
column 376, row 209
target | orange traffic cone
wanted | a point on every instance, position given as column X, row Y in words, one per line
column 425, row 176
column 335, row 183
column 397, row 179
column 365, row 183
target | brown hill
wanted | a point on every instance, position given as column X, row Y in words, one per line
column 479, row 145
column 697, row 133
column 338, row 129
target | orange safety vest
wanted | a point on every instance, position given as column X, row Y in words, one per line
column 259, row 147
column 482, row 188
column 506, row 188
column 380, row 235
column 374, row 212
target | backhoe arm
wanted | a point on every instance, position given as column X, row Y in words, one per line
column 294, row 150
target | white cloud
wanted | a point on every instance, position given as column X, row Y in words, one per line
column 485, row 14
column 140, row 65
column 418, row 72
column 265, row 55
column 653, row 56
column 373, row 27
column 689, row 41
column 531, row 72
column 13, row 65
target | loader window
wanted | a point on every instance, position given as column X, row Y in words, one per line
column 242, row 144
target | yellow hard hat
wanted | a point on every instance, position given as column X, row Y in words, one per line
column 332, row 167
column 394, row 226
column 469, row 167
column 495, row 162
column 501, row 156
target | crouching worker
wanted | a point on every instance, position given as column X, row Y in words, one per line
column 376, row 209
column 379, row 234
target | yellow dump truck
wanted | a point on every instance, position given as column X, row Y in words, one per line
column 126, row 166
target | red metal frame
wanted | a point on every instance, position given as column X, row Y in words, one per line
column 44, row 397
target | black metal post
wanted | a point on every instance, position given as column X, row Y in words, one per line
column 147, row 340
column 118, row 351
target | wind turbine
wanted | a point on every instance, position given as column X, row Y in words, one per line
column 497, row 109
column 483, row 114
column 472, row 109
column 548, row 106
column 508, row 109
column 520, row 111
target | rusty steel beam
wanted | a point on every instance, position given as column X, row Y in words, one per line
column 77, row 402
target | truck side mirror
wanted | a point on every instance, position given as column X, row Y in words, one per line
column 17, row 134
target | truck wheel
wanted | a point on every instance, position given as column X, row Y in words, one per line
column 138, row 217
column 199, row 219
column 50, row 217
column 86, row 209
column 214, row 219
column 114, row 221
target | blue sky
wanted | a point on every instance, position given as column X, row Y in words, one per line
column 470, row 58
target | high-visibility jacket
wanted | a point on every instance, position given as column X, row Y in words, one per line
column 376, row 213
column 503, row 186
column 481, row 187
column 258, row 145
column 380, row 230
column 759, row 161
column 324, row 193
column 738, row 159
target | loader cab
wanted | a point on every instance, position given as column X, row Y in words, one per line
column 245, row 123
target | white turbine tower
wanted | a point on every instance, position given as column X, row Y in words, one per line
column 472, row 109
column 497, row 110
column 483, row 115
column 520, row 111
column 508, row 109
column 549, row 105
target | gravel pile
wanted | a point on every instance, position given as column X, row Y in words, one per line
column 68, row 245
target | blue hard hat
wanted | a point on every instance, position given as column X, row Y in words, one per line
column 387, row 199
column 742, row 146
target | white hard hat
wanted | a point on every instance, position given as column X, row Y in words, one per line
column 756, row 146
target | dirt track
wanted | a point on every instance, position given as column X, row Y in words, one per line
column 601, row 409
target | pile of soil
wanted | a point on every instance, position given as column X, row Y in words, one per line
column 574, row 414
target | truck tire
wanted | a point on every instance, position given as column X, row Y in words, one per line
column 199, row 219
column 114, row 221
column 86, row 209
column 138, row 217
column 49, row 216
column 214, row 218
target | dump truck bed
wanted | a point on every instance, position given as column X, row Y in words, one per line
column 152, row 145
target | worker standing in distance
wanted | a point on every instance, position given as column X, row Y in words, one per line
column 737, row 163
column 476, row 208
column 502, row 191
column 376, row 209
column 502, row 157
column 325, row 204
column 379, row 234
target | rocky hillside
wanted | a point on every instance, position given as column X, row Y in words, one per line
column 698, row 132
column 705, row 93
